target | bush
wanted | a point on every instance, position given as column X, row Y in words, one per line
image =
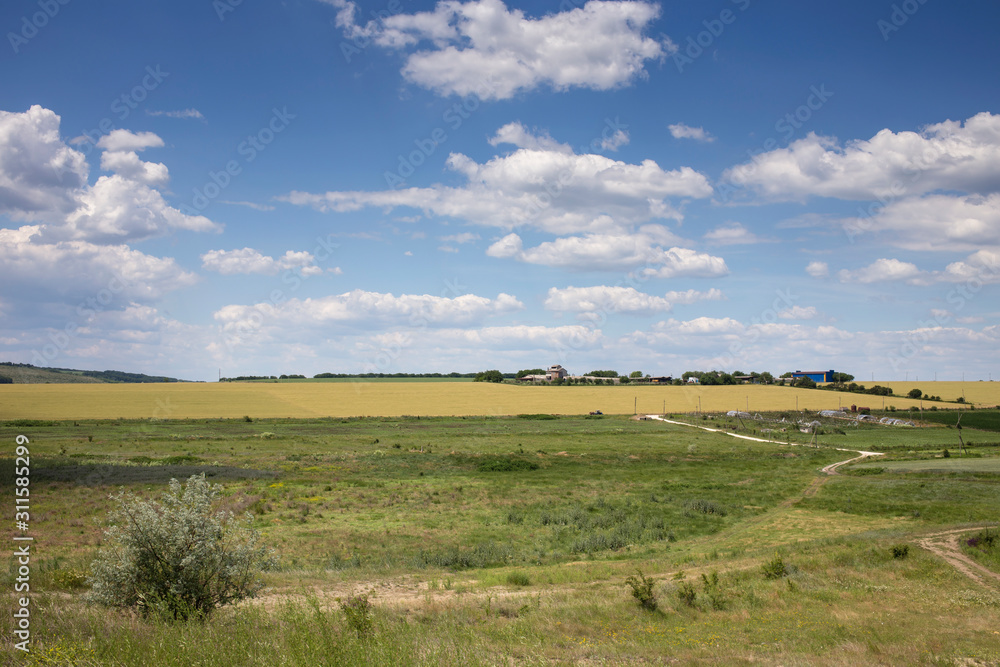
column 915, row 393
column 505, row 464
column 642, row 590
column 900, row 551
column 775, row 568
column 686, row 593
column 518, row 579
column 175, row 558
column 358, row 612
column 705, row 507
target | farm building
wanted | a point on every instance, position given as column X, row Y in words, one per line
column 815, row 376
column 556, row 372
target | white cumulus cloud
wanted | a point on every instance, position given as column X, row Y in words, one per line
column 542, row 184
column 951, row 155
column 682, row 131
column 483, row 48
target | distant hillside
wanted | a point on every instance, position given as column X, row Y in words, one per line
column 28, row 374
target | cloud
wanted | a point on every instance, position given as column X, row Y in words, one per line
column 483, row 48
column 607, row 299
column 464, row 237
column 182, row 113
column 39, row 174
column 117, row 209
column 682, row 131
column 691, row 296
column 248, row 260
column 547, row 187
column 249, row 204
column 128, row 164
column 123, row 140
column 615, row 141
column 362, row 309
column 881, row 270
column 818, row 269
column 799, row 313
column 731, row 234
column 946, row 156
column 45, row 181
column 934, row 223
column 604, row 252
column 982, row 266
column 516, row 134
column 75, row 270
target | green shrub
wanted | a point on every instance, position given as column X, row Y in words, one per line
column 358, row 612
column 900, row 551
column 642, row 590
column 69, row 579
column 518, row 579
column 774, row 568
column 705, row 507
column 710, row 583
column 686, row 593
column 505, row 464
column 175, row 558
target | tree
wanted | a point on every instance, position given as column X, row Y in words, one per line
column 603, row 374
column 805, row 382
column 766, row 378
column 635, row 374
column 530, row 371
column 490, row 376
column 915, row 393
column 842, row 377
column 176, row 558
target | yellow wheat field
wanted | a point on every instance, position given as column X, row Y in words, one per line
column 390, row 399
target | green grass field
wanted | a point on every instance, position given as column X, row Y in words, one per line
column 507, row 540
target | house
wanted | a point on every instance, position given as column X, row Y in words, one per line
column 556, row 372
column 693, row 380
column 815, row 376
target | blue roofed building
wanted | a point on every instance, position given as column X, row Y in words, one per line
column 815, row 376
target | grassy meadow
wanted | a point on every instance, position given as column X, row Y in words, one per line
column 395, row 399
column 508, row 540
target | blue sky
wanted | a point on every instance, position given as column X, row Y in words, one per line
column 401, row 186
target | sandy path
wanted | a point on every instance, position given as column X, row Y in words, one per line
column 814, row 485
column 945, row 546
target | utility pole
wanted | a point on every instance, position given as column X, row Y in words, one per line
column 635, row 406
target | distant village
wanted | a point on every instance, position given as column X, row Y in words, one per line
column 556, row 374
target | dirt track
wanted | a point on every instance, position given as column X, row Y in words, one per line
column 945, row 545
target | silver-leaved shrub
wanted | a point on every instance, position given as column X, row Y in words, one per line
column 177, row 558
